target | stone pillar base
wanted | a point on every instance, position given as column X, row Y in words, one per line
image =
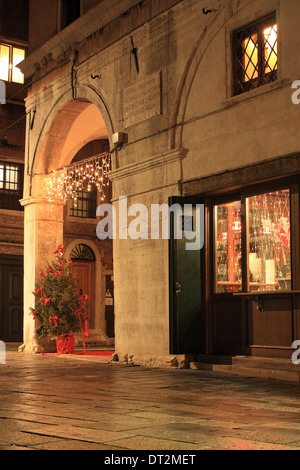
column 177, row 361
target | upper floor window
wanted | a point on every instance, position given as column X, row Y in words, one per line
column 255, row 54
column 85, row 204
column 11, row 185
column 70, row 11
column 10, row 57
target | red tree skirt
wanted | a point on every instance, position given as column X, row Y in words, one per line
column 84, row 353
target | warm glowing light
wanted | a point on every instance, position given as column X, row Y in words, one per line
column 250, row 46
column 266, row 231
column 18, row 56
column 4, row 62
column 270, row 37
column 251, row 58
column 237, row 225
column 63, row 184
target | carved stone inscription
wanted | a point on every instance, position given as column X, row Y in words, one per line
column 142, row 100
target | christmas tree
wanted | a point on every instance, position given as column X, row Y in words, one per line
column 60, row 308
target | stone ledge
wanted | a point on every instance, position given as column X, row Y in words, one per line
column 247, row 371
column 172, row 361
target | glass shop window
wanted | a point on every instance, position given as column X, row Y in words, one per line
column 269, row 241
column 228, row 247
column 255, row 54
column 10, row 57
column 265, row 253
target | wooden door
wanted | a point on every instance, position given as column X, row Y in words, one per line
column 11, row 299
column 187, row 331
column 85, row 271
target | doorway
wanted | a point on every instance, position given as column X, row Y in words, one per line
column 239, row 295
column 11, row 298
column 83, row 265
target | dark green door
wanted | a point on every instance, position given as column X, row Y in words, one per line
column 185, row 253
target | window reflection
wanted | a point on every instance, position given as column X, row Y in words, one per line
column 228, row 247
column 269, row 244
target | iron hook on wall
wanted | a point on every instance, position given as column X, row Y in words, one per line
column 134, row 52
column 32, row 119
column 205, row 12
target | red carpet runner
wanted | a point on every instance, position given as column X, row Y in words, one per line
column 82, row 353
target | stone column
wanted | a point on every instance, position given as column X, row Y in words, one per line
column 43, row 232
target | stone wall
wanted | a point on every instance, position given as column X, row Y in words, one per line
column 179, row 115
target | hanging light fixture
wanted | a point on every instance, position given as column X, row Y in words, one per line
column 64, row 183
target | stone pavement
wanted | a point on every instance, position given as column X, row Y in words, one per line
column 59, row 403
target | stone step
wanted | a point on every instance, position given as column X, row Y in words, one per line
column 266, row 363
column 280, row 369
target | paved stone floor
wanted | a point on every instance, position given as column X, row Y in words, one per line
column 59, row 403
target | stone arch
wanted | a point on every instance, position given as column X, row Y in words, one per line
column 217, row 22
column 82, row 241
column 99, row 294
column 65, row 114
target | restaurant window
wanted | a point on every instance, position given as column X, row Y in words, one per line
column 84, row 205
column 11, row 185
column 255, row 53
column 266, row 253
column 10, row 57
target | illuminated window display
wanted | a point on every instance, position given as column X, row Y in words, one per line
column 269, row 244
column 267, row 250
column 228, row 247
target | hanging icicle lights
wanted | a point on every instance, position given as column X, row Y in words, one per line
column 64, row 183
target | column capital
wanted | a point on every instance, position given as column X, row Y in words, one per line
column 40, row 200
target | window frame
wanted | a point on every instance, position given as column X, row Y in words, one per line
column 239, row 86
column 9, row 198
column 11, row 47
column 92, row 205
column 242, row 195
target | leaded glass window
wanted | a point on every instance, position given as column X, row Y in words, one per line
column 255, row 53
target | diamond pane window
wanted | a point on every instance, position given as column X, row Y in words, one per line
column 270, row 38
column 255, row 54
column 250, row 58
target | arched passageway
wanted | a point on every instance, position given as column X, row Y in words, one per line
column 74, row 134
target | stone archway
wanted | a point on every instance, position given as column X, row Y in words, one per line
column 69, row 126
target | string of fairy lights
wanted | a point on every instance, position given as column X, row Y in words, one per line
column 65, row 183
